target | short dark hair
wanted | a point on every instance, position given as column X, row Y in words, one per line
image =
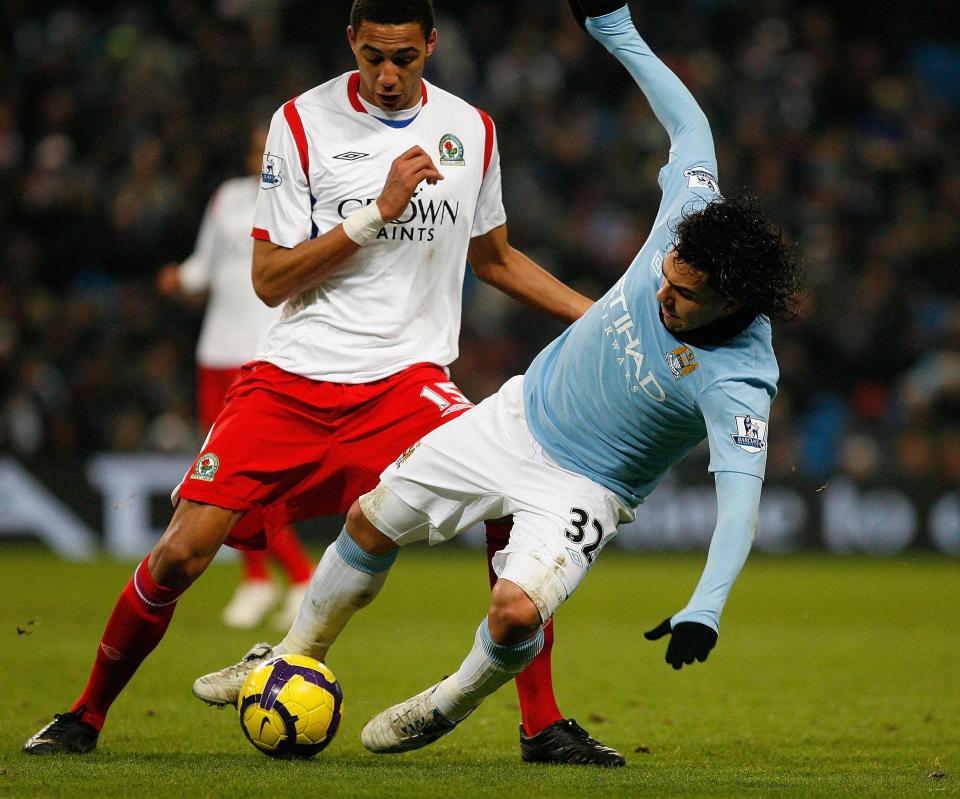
column 393, row 12
column 744, row 259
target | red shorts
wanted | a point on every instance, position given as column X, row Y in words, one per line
column 212, row 386
column 299, row 448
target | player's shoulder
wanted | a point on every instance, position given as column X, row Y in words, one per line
column 325, row 96
column 746, row 358
column 453, row 103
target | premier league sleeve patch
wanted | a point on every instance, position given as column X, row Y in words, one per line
column 271, row 175
column 700, row 178
column 751, row 435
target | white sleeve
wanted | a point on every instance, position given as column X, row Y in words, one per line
column 490, row 212
column 284, row 208
column 195, row 271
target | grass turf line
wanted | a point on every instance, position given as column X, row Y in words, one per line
column 832, row 677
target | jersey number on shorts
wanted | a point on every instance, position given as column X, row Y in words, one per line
column 578, row 520
column 447, row 397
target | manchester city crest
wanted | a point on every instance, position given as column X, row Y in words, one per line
column 451, row 150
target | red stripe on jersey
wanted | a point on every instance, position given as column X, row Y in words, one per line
column 353, row 92
column 292, row 116
column 260, row 234
column 488, row 139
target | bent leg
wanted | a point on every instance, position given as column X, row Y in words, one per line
column 538, row 703
column 145, row 606
column 506, row 641
column 348, row 577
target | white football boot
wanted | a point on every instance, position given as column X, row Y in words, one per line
column 223, row 687
column 410, row 725
column 250, row 604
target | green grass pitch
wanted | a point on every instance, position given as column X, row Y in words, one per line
column 832, row 677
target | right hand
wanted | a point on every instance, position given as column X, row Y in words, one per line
column 406, row 173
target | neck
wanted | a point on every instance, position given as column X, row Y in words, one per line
column 718, row 330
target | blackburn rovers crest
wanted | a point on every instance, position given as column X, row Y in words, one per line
column 451, row 150
column 206, row 467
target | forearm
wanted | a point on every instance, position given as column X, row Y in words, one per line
column 515, row 274
column 280, row 272
column 671, row 102
column 738, row 502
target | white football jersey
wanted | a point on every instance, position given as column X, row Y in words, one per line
column 397, row 301
column 221, row 264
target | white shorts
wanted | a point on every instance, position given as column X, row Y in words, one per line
column 483, row 465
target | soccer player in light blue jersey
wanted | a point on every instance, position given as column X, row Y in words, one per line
column 677, row 351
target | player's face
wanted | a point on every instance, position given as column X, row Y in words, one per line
column 686, row 300
column 391, row 59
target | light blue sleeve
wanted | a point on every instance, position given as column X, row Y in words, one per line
column 674, row 106
column 738, row 507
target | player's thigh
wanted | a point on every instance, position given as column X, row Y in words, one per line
column 557, row 535
column 412, row 403
column 273, row 432
column 453, row 476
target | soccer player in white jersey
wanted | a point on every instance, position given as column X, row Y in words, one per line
column 219, row 268
column 677, row 351
column 376, row 187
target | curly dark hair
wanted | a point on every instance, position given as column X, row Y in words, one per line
column 744, row 258
column 393, row 12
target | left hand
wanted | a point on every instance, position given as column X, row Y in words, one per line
column 689, row 641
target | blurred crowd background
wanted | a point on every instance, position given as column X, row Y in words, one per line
column 116, row 125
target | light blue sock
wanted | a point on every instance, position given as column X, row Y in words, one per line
column 487, row 666
column 345, row 580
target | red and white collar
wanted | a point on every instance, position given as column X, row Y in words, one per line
column 353, row 92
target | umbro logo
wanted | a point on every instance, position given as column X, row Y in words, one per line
column 351, row 156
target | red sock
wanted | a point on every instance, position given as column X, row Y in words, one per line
column 255, row 565
column 538, row 705
column 138, row 622
column 287, row 551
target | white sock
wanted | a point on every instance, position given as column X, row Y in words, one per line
column 488, row 666
column 345, row 580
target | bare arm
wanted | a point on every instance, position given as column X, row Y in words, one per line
column 496, row 262
column 282, row 272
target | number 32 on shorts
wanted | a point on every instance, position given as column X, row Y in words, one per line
column 579, row 519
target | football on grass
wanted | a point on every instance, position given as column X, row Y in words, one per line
column 290, row 706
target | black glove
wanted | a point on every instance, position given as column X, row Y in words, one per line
column 690, row 641
column 593, row 8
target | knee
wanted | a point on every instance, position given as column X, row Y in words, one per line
column 512, row 616
column 368, row 537
column 189, row 543
column 175, row 562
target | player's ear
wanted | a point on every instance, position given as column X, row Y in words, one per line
column 431, row 42
column 351, row 37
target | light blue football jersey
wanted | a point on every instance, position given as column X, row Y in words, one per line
column 618, row 397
